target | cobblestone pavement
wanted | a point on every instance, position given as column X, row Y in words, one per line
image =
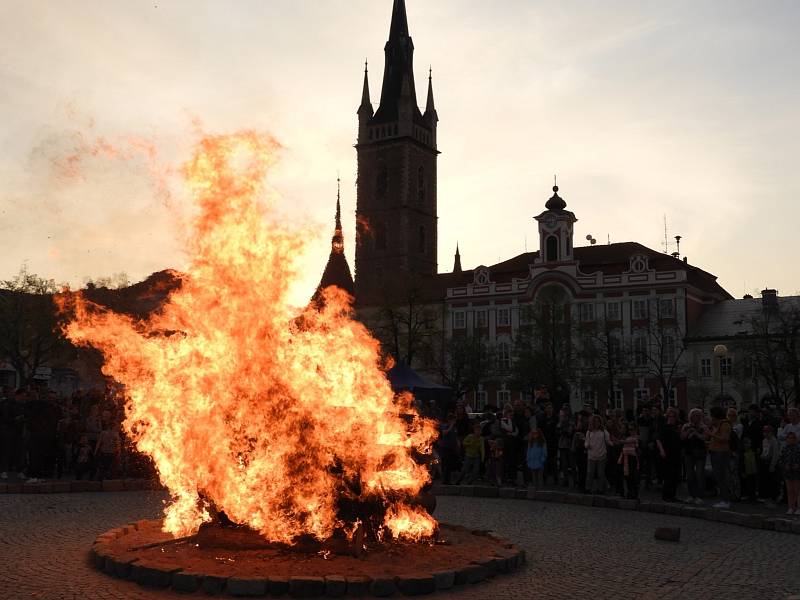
column 573, row 551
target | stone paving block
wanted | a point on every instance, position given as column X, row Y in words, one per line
column 520, row 493
column 213, row 586
column 501, row 564
column 306, row 587
column 626, row 504
column 36, row 488
column 246, row 587
column 612, row 502
column 507, row 492
column 795, row 526
column 601, row 501
column 183, row 581
column 657, row 507
column 78, row 486
column 417, row 586
column 486, row 491
column 113, row 485
column 476, row 573
column 467, row 490
column 644, row 506
column 335, row 586
column 13, row 488
column 382, row 587
column 585, row 500
column 94, row 486
column 278, row 586
column 122, row 568
column 133, row 484
column 108, row 566
column 489, row 563
column 673, row 509
column 153, row 577
column 784, row 525
column 3, row 488
column 444, row 579
column 668, row 534
column 60, row 487
column 358, row 586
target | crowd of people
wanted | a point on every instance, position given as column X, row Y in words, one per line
column 46, row 436
column 716, row 453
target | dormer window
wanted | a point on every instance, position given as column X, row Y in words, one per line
column 639, row 263
column 481, row 276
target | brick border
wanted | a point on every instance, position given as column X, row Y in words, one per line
column 67, row 487
column 503, row 560
column 753, row 521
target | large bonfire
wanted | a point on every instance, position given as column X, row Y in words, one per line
column 285, row 423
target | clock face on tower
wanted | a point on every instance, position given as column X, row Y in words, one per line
column 550, row 221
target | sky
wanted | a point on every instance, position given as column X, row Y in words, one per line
column 645, row 110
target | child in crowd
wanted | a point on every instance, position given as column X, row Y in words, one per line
column 536, row 457
column 790, row 462
column 495, row 470
column 629, row 459
column 597, row 442
column 474, row 455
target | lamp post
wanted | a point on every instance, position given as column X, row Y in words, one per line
column 721, row 352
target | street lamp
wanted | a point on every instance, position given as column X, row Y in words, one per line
column 721, row 351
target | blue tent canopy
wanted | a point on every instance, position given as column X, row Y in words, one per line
column 404, row 378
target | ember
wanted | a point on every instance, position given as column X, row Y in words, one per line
column 253, row 414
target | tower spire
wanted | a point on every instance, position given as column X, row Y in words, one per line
column 399, row 67
column 337, row 241
column 457, row 264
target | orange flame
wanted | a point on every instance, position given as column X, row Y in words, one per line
column 244, row 406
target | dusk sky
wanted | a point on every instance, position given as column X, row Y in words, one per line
column 643, row 109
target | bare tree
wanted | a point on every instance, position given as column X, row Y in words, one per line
column 29, row 335
column 468, row 361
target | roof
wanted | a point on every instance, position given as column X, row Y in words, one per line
column 402, row 377
column 734, row 317
column 336, row 273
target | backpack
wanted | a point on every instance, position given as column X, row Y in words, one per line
column 734, row 443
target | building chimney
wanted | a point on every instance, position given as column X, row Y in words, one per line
column 769, row 299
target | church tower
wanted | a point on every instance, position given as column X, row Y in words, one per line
column 556, row 229
column 396, row 205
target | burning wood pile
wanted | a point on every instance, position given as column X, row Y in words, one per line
column 257, row 416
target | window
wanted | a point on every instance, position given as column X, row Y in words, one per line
column 726, row 366
column 641, row 395
column 503, row 317
column 459, row 320
column 669, row 350
column 481, row 398
column 617, row 399
column 672, row 397
column 613, row 312
column 640, row 351
column 665, row 308
column 503, row 397
column 587, row 312
column 481, row 320
column 705, row 367
column 614, row 351
column 421, row 185
column 590, row 397
column 551, row 248
column 639, row 310
column 504, row 356
column 421, row 239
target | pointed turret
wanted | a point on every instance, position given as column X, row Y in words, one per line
column 399, row 26
column 366, row 104
column 430, row 106
column 457, row 264
column 337, row 271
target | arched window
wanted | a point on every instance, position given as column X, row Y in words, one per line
column 382, row 179
column 551, row 249
column 380, row 236
column 421, row 241
column 421, row 185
